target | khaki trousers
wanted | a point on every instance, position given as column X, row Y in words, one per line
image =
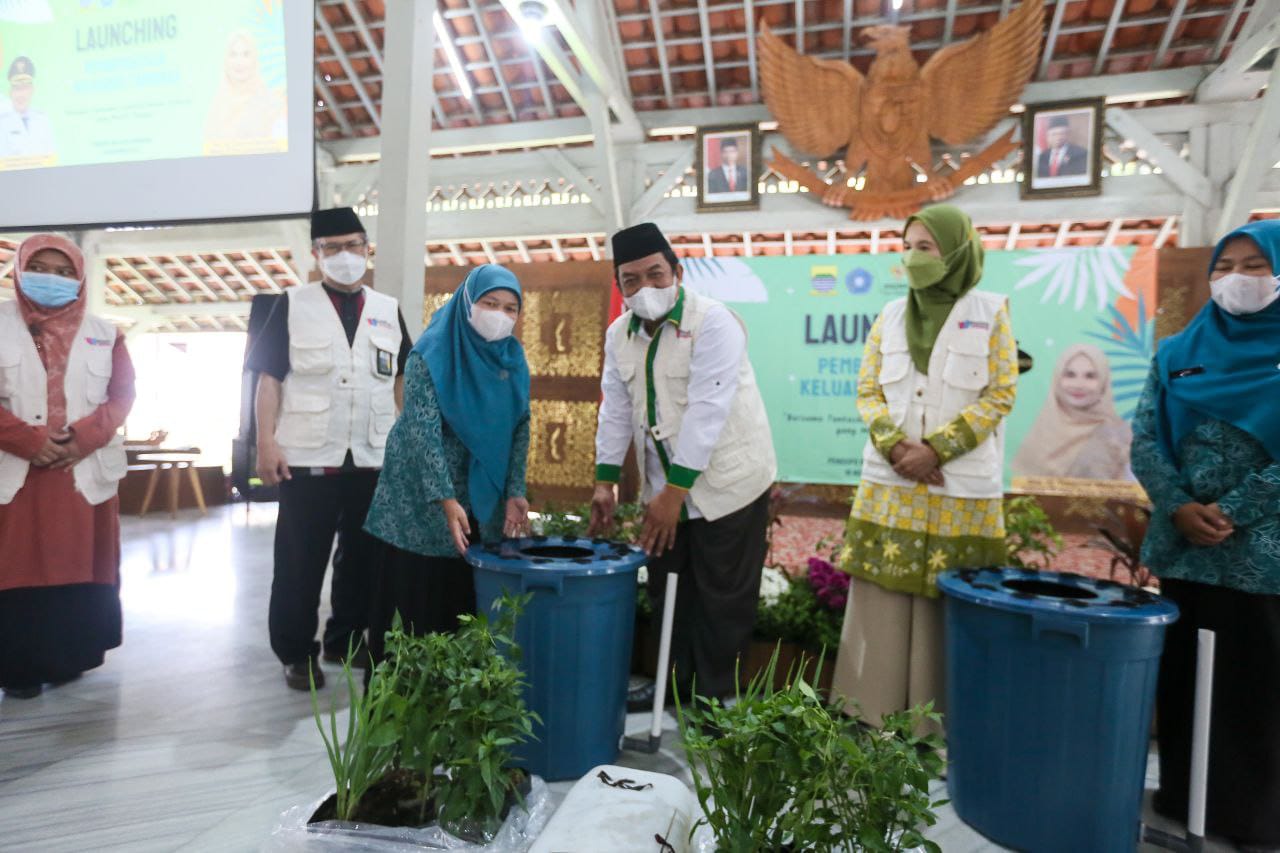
column 891, row 655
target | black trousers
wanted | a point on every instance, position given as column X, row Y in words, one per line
column 719, row 564
column 313, row 509
column 428, row 592
column 54, row 633
column 1244, row 737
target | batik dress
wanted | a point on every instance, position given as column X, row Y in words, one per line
column 899, row 537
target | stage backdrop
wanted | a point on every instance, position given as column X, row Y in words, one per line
column 808, row 319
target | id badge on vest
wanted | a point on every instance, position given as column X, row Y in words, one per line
column 384, row 363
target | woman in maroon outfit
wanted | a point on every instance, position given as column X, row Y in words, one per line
column 66, row 385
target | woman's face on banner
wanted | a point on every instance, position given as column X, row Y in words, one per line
column 1081, row 383
column 241, row 60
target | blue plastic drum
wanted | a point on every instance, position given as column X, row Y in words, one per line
column 1051, row 680
column 575, row 636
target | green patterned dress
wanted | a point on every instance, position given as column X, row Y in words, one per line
column 1217, row 463
column 901, row 538
column 426, row 463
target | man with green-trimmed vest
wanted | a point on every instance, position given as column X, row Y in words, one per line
column 678, row 385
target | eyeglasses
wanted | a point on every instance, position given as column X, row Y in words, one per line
column 330, row 249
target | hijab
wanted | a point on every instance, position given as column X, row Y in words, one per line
column 53, row 329
column 962, row 253
column 482, row 386
column 1235, row 361
column 1063, row 430
column 244, row 108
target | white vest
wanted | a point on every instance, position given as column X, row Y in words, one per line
column 959, row 371
column 742, row 464
column 338, row 396
column 24, row 391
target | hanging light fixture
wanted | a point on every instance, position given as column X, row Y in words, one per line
column 532, row 18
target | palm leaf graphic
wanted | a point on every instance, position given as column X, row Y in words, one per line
column 1129, row 347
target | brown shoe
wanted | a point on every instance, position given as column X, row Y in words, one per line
column 298, row 675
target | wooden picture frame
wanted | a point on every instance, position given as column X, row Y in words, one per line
column 714, row 177
column 1062, row 149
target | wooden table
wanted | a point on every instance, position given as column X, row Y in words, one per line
column 171, row 465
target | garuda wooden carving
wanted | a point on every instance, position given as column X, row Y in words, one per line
column 884, row 120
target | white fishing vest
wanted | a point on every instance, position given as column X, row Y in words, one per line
column 24, row 391
column 338, row 396
column 959, row 371
column 742, row 464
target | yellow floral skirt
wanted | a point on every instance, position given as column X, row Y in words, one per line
column 900, row 538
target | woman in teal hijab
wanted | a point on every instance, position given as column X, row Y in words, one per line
column 1206, row 447
column 455, row 460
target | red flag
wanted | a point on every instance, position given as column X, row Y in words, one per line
column 616, row 306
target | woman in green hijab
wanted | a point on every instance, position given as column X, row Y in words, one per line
column 937, row 380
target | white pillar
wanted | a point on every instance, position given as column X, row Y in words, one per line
column 95, row 272
column 1194, row 227
column 407, row 96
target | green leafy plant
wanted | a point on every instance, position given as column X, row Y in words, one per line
column 781, row 769
column 483, row 716
column 795, row 615
column 450, row 701
column 571, row 523
column 369, row 749
column 876, row 783
column 1030, row 538
column 417, row 680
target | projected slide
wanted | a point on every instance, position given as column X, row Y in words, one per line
column 140, row 112
column 91, row 82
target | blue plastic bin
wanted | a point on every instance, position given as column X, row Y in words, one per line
column 1051, row 680
column 575, row 636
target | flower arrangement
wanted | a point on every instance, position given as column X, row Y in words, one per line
column 806, row 609
column 829, row 583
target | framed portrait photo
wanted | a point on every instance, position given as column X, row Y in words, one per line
column 727, row 165
column 1062, row 149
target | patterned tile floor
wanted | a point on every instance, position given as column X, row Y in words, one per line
column 187, row 738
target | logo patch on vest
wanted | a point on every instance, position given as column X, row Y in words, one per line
column 975, row 324
column 376, row 323
column 99, row 342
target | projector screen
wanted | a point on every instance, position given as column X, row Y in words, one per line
column 147, row 111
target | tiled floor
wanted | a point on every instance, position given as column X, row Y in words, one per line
column 187, row 738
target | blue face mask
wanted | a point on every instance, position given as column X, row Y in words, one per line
column 48, row 290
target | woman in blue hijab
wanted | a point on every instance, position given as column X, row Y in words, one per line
column 1206, row 447
column 455, row 461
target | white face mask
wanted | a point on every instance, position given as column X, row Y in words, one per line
column 491, row 325
column 1237, row 293
column 653, row 303
column 345, row 267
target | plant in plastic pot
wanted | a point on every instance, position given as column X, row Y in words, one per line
column 780, row 769
column 449, row 702
column 361, row 759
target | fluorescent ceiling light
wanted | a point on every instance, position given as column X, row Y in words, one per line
column 897, row 4
column 451, row 53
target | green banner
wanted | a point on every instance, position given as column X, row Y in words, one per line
column 112, row 81
column 808, row 319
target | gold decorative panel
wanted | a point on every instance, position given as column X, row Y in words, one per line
column 563, row 332
column 562, row 443
column 431, row 303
